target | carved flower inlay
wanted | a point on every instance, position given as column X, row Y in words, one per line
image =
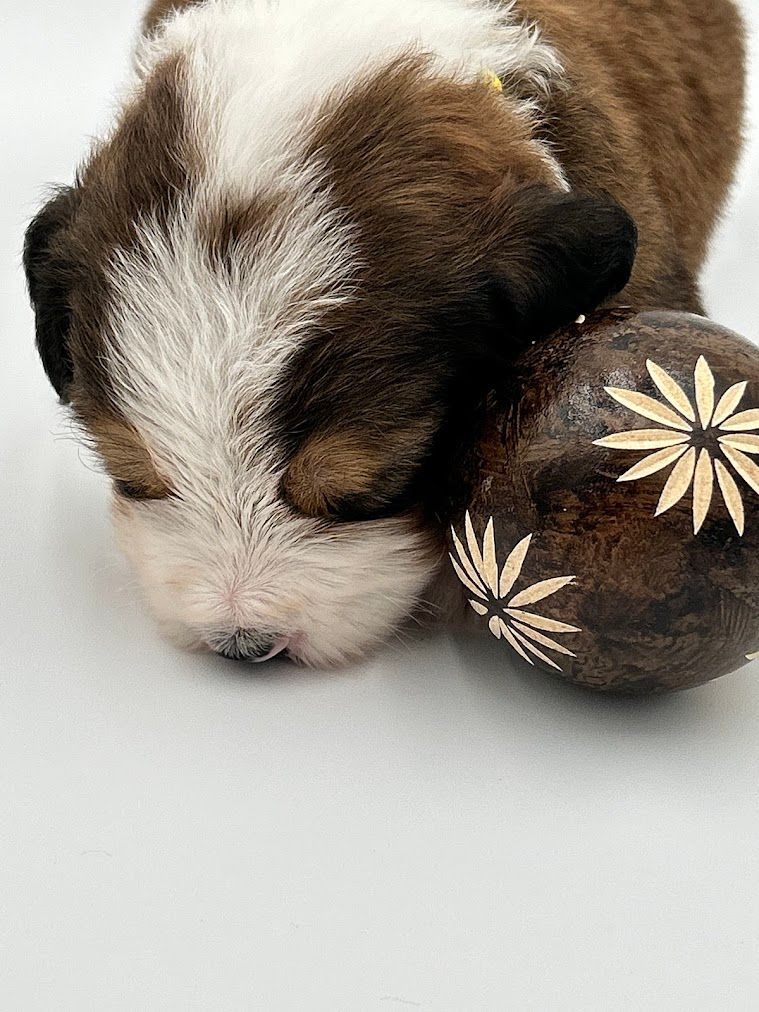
column 698, row 441
column 494, row 596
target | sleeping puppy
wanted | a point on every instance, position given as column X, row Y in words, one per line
column 311, row 220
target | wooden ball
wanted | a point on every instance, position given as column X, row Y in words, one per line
column 610, row 531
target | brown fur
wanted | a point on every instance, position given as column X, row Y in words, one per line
column 338, row 473
column 649, row 111
column 450, row 195
column 236, row 227
column 652, row 112
column 128, row 459
column 421, row 163
column 138, row 172
column 161, row 9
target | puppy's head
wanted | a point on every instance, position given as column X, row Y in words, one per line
column 262, row 332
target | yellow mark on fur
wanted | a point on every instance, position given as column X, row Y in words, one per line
column 492, row 80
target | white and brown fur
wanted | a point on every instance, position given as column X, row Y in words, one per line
column 312, row 224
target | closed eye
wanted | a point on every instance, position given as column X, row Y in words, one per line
column 382, row 503
column 352, row 474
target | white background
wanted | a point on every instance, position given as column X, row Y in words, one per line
column 438, row 828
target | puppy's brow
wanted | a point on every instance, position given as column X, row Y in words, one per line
column 234, row 228
column 350, row 473
column 127, row 458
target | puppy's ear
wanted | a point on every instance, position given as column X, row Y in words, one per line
column 48, row 282
column 555, row 256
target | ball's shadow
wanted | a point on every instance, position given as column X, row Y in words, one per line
column 514, row 686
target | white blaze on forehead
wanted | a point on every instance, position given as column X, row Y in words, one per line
column 191, row 344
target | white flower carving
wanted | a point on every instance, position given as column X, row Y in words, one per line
column 692, row 438
column 523, row 630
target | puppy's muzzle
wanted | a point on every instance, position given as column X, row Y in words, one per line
column 248, row 645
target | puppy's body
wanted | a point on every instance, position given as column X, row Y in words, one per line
column 648, row 106
column 651, row 109
column 263, row 290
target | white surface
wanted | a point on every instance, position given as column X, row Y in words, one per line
column 431, row 830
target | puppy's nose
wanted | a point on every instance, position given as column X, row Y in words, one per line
column 249, row 645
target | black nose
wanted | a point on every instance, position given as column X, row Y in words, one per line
column 244, row 645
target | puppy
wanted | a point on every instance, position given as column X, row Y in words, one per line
column 311, row 221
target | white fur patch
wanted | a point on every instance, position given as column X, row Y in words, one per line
column 191, row 344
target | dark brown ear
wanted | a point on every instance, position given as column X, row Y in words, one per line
column 556, row 255
column 48, row 280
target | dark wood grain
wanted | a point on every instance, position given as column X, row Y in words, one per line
column 658, row 607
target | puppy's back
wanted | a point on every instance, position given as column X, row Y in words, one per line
column 667, row 77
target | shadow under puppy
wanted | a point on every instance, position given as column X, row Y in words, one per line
column 310, row 222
